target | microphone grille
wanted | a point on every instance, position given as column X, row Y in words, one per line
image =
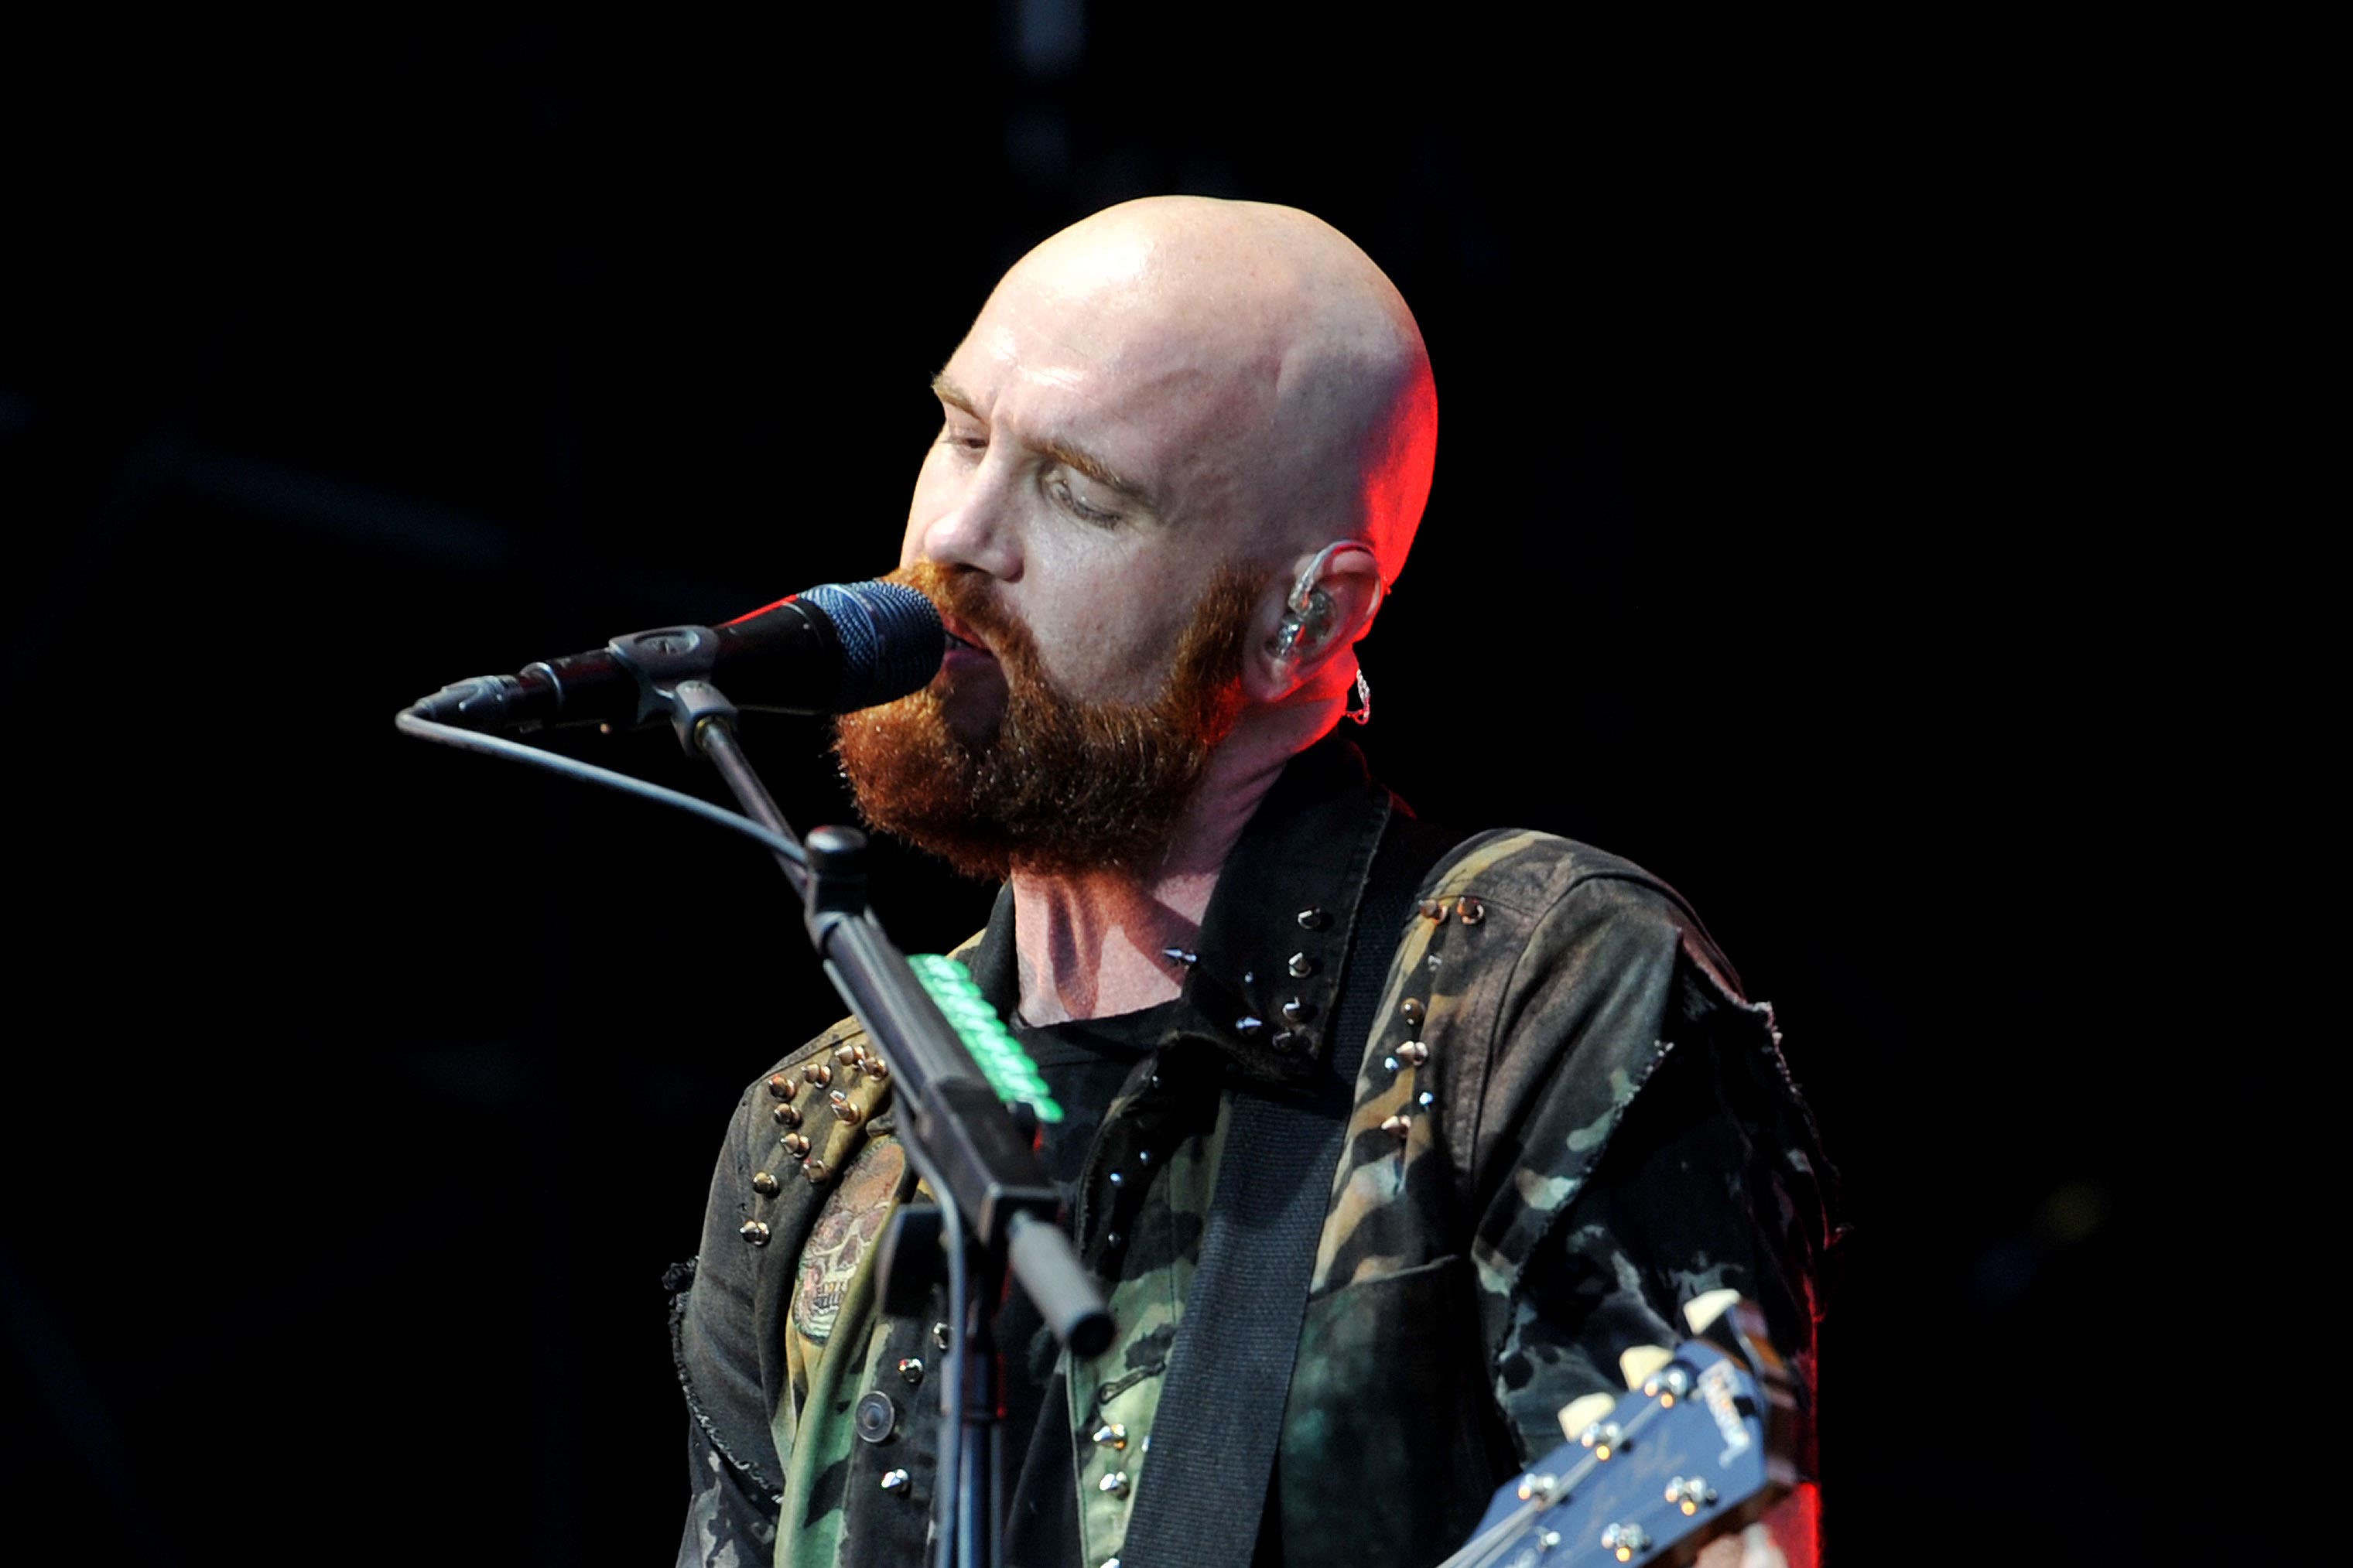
column 892, row 640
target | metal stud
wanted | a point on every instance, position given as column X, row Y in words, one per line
column 783, row 1085
column 847, row 1055
column 1314, row 920
column 756, row 1232
column 1470, row 911
column 788, row 1115
column 764, row 1183
column 1288, row 1041
column 845, row 1111
column 1113, row 1239
column 1248, row 1026
column 817, row 1170
column 1414, row 1052
column 895, row 1480
column 877, row 1069
column 1116, row 1178
column 1114, row 1483
column 875, row 1418
column 1144, row 1156
column 1300, row 966
column 1178, row 956
column 1298, row 1010
column 1390, row 1064
column 1398, row 1126
column 1425, row 1100
column 1112, row 1435
column 941, row 1336
column 818, row 1073
column 911, row 1369
column 797, row 1144
column 1411, row 1011
column 1433, row 909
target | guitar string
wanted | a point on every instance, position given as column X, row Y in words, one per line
column 1506, row 1530
column 1488, row 1547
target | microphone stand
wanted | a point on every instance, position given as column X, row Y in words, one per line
column 997, row 1211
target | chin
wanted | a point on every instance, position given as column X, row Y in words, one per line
column 974, row 708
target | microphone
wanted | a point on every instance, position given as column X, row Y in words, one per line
column 832, row 649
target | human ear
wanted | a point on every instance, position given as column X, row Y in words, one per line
column 1332, row 597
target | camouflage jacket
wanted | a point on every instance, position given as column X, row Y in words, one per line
column 1568, row 1120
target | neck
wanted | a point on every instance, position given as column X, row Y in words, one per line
column 1092, row 943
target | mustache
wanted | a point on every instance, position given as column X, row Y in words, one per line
column 1062, row 783
column 965, row 595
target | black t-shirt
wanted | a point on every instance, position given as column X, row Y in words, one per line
column 1085, row 1063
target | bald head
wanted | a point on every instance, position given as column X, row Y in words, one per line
column 1285, row 382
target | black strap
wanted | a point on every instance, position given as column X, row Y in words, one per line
column 1203, row 1489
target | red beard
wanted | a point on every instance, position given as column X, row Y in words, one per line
column 1063, row 785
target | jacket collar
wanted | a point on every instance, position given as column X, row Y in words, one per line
column 1263, row 986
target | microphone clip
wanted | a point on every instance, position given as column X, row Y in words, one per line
column 670, row 665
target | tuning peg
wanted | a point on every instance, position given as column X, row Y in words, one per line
column 1690, row 1493
column 1723, row 1318
column 1623, row 1540
column 1669, row 1384
column 1583, row 1411
column 1702, row 1310
column 1637, row 1363
column 1604, row 1437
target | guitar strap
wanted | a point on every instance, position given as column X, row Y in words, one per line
column 1201, row 1496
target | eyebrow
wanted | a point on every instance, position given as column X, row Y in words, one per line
column 1062, row 452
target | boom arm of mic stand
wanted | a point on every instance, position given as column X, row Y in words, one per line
column 1006, row 1214
column 998, row 1208
column 949, row 1111
column 1008, row 1204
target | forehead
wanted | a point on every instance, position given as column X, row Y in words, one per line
column 1114, row 365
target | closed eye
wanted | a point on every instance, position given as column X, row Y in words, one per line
column 1058, row 485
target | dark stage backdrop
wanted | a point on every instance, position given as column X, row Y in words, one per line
column 360, row 1091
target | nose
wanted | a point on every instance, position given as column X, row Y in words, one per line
column 965, row 517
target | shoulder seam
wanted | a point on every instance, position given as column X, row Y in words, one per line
column 1621, row 871
column 1617, row 869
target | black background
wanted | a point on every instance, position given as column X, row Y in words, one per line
column 363, row 1090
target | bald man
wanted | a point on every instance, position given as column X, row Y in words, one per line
column 1387, row 1141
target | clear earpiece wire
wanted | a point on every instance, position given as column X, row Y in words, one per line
column 1307, row 604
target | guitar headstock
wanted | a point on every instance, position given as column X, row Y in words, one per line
column 1701, row 1446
